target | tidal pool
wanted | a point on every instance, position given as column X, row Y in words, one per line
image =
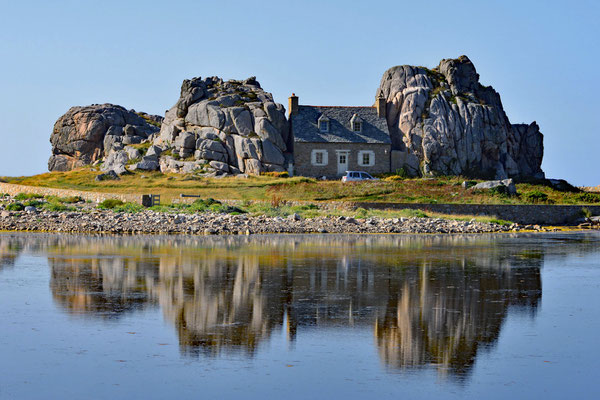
column 300, row 317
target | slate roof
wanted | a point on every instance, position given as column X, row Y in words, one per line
column 305, row 128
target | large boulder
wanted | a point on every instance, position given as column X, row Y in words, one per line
column 86, row 134
column 455, row 126
column 231, row 123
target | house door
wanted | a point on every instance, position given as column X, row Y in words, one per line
column 342, row 159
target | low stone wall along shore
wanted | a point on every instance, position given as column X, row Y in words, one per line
column 106, row 221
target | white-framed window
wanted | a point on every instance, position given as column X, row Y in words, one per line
column 324, row 126
column 318, row 157
column 356, row 126
column 366, row 158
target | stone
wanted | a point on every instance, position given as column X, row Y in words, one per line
column 111, row 142
column 154, row 151
column 132, row 153
column 507, row 186
column 208, row 133
column 78, row 137
column 148, row 163
column 186, row 140
column 272, row 167
column 30, row 209
column 132, row 139
column 271, row 154
column 294, row 217
column 107, row 176
column 252, row 167
column 226, row 113
column 245, row 147
column 266, row 130
column 453, row 125
column 209, row 155
column 116, row 162
column 210, row 145
column 219, row 166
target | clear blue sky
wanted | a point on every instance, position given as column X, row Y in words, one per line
column 542, row 57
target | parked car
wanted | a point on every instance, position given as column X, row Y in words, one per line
column 352, row 176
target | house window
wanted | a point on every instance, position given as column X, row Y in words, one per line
column 324, row 126
column 319, row 157
column 366, row 158
column 356, row 126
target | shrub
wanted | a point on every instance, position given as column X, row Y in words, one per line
column 586, row 212
column 394, row 178
column 110, row 203
column 361, row 213
column 68, row 200
column 33, row 203
column 536, row 196
column 277, row 174
column 500, row 222
column 28, row 196
column 15, row 207
column 54, row 206
column 409, row 212
column 277, row 201
column 306, row 207
column 588, row 197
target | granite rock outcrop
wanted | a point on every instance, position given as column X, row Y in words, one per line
column 85, row 135
column 224, row 127
column 442, row 121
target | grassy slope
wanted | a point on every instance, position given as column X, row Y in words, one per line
column 438, row 190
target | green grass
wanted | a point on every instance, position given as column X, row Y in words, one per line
column 28, row 196
column 394, row 189
column 15, row 207
column 109, row 204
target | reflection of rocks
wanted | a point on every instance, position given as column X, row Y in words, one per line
column 431, row 301
column 100, row 286
column 442, row 316
column 9, row 250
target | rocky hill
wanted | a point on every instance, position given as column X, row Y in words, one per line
column 443, row 121
column 85, row 135
column 224, row 127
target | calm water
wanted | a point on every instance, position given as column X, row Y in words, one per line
column 300, row 317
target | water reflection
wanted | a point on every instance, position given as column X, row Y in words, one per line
column 430, row 301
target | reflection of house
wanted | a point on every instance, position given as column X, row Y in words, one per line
column 328, row 141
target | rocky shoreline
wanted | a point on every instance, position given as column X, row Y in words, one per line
column 152, row 222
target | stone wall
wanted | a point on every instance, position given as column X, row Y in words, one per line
column 13, row 190
column 303, row 165
column 521, row 213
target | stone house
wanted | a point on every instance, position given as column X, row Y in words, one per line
column 330, row 140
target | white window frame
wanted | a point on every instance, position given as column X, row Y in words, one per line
column 371, row 154
column 355, row 124
column 313, row 157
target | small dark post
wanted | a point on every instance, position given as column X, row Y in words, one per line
column 147, row 200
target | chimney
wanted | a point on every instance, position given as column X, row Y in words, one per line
column 293, row 105
column 381, row 105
